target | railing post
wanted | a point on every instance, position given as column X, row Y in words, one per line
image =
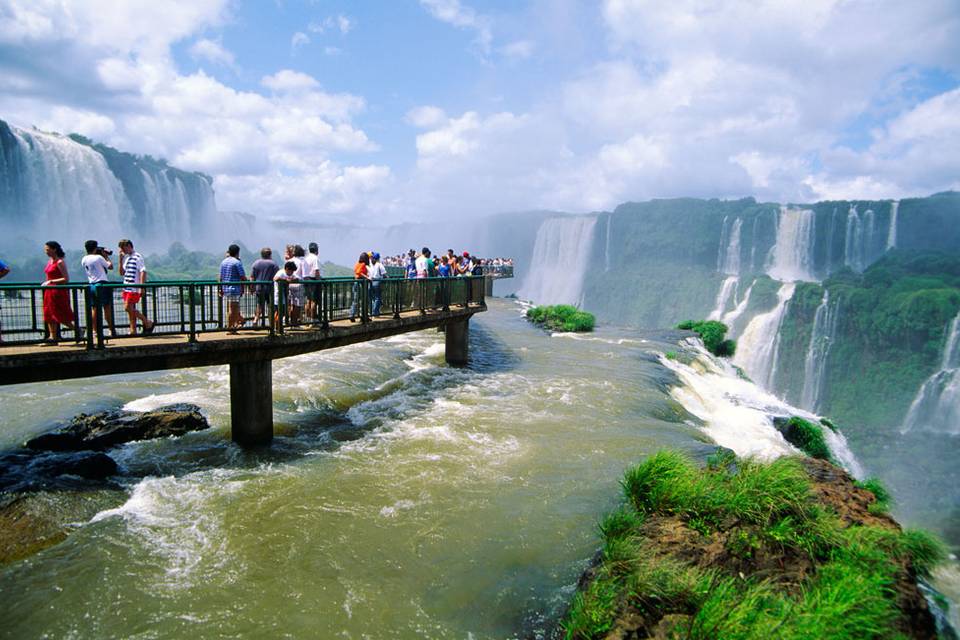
column 422, row 297
column 400, row 286
column 325, row 303
column 101, row 310
column 183, row 314
column 364, row 300
column 88, row 314
column 271, row 308
column 282, row 310
column 193, row 311
column 445, row 293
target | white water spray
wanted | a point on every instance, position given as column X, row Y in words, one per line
column 561, row 255
column 758, row 347
column 892, row 231
column 815, row 364
column 936, row 406
column 791, row 258
column 726, row 292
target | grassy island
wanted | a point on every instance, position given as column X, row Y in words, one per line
column 742, row 549
column 562, row 317
column 712, row 333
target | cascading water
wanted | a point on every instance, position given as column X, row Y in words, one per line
column 561, row 255
column 53, row 182
column 791, row 258
column 815, row 364
column 606, row 248
column 726, row 292
column 936, row 406
column 730, row 318
column 892, row 231
column 859, row 246
column 758, row 347
column 64, row 186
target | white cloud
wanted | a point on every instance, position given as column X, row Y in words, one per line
column 519, row 50
column 299, row 39
column 459, row 15
column 287, row 80
column 212, row 51
column 332, row 51
column 340, row 23
column 426, row 116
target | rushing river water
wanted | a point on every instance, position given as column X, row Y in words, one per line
column 401, row 498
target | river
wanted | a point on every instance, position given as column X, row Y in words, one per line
column 401, row 498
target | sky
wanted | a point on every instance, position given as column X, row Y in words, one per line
column 404, row 110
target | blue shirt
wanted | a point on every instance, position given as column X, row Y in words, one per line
column 3, row 265
column 444, row 270
column 231, row 270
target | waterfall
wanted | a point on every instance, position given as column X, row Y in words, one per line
column 606, row 250
column 753, row 245
column 758, row 347
column 50, row 182
column 936, row 406
column 732, row 316
column 65, row 187
column 815, row 364
column 728, row 258
column 892, row 231
column 561, row 254
column 726, row 291
column 724, row 232
column 791, row 258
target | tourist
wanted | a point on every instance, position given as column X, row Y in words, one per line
column 295, row 301
column 444, row 269
column 423, row 263
column 359, row 274
column 231, row 270
column 96, row 264
column 288, row 275
column 4, row 270
column 376, row 273
column 411, row 264
column 263, row 270
column 56, row 302
column 312, row 273
column 134, row 272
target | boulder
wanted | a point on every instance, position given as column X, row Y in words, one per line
column 26, row 470
column 101, row 431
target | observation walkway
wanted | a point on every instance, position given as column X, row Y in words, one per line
column 191, row 331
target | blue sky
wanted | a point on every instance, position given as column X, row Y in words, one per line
column 383, row 111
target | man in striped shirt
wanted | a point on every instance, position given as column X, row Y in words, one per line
column 231, row 270
column 134, row 272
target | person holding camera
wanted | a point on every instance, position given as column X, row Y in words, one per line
column 96, row 263
column 134, row 273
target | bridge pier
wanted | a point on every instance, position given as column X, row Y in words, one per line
column 457, row 341
column 251, row 402
column 488, row 286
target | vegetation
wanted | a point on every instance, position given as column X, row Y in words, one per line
column 743, row 549
column 562, row 317
column 806, row 436
column 712, row 333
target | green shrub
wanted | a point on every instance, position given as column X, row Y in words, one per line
column 712, row 333
column 562, row 317
column 883, row 497
column 925, row 549
column 807, row 437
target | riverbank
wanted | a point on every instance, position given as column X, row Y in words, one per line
column 794, row 548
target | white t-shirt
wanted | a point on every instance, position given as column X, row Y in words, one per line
column 96, row 267
column 377, row 271
column 312, row 262
column 302, row 269
column 422, row 271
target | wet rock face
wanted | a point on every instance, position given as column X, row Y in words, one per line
column 31, row 471
column 101, row 431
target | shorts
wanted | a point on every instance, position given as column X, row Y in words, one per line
column 311, row 288
column 132, row 297
column 231, row 297
column 263, row 297
column 295, row 298
column 102, row 296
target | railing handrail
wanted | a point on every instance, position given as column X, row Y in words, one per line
column 116, row 284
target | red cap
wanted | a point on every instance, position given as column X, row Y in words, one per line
column 466, row 254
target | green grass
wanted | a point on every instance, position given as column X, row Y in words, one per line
column 762, row 506
column 712, row 333
column 808, row 437
column 880, row 492
column 562, row 317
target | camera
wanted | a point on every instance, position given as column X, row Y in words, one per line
column 104, row 251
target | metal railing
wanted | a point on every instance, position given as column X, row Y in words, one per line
column 194, row 307
column 497, row 271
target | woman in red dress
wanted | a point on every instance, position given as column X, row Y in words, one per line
column 56, row 302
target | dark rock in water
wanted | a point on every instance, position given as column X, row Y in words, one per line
column 26, row 470
column 101, row 431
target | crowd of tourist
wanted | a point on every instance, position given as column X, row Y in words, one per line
column 297, row 269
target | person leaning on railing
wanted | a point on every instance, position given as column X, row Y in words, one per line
column 4, row 270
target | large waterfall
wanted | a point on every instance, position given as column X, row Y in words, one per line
column 561, row 254
column 892, row 231
column 792, row 256
column 815, row 364
column 728, row 258
column 758, row 347
column 64, row 187
column 937, row 405
column 860, row 248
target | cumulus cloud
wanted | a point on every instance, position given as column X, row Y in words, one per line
column 212, row 51
column 455, row 13
column 426, row 116
column 298, row 40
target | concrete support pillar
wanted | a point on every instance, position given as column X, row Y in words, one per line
column 488, row 284
column 458, row 338
column 251, row 402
